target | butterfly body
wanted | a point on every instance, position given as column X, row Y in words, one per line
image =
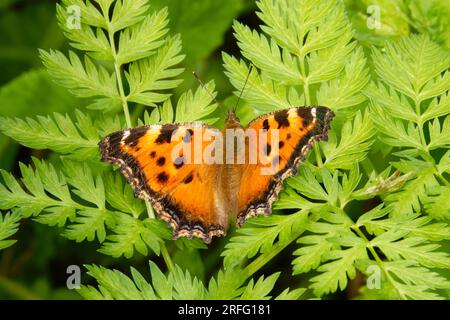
column 196, row 176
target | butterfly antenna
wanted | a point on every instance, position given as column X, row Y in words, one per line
column 204, row 87
column 245, row 84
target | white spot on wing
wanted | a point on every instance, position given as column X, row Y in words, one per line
column 292, row 112
column 125, row 135
column 313, row 112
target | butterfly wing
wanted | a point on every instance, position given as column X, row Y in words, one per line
column 159, row 162
column 297, row 130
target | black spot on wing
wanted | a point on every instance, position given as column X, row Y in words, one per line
column 305, row 114
column 165, row 135
column 153, row 154
column 135, row 134
column 281, row 117
column 189, row 178
column 280, row 144
column 161, row 161
column 162, row 177
column 266, row 125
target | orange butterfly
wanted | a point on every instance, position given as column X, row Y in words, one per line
column 197, row 198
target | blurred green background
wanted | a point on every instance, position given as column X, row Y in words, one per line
column 35, row 267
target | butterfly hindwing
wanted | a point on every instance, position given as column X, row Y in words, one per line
column 298, row 128
column 180, row 190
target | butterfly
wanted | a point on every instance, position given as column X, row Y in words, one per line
column 197, row 198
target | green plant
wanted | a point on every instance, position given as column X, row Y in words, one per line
column 372, row 200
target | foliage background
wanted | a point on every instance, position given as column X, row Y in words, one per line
column 402, row 157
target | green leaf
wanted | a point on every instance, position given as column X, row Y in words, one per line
column 317, row 246
column 411, row 274
column 142, row 39
column 120, row 195
column 413, row 66
column 59, row 133
column 113, row 284
column 291, row 294
column 394, row 132
column 324, row 22
column 133, row 234
column 127, row 13
column 308, row 185
column 226, row 285
column 409, row 198
column 310, row 256
column 439, row 135
column 410, row 248
column 395, row 103
column 263, row 93
column 89, row 225
column 334, row 274
column 260, row 289
column 9, row 225
column 57, row 216
column 279, row 66
column 85, row 38
column 83, row 80
column 195, row 106
column 260, row 234
column 88, row 12
column 438, row 107
column 155, row 73
column 437, row 203
column 344, row 91
column 12, row 195
column 355, row 141
column 87, row 186
column 186, row 287
column 414, row 225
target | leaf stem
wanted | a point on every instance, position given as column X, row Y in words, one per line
column 263, row 259
column 305, row 81
column 318, row 155
column 118, row 73
column 420, row 124
column 150, row 212
column 441, row 178
column 117, row 70
column 167, row 258
column 316, row 148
